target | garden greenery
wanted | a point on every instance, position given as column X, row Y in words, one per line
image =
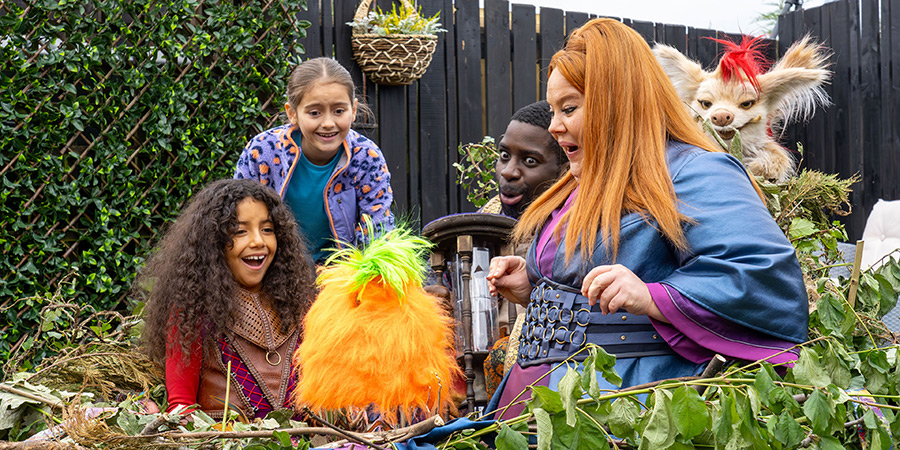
column 476, row 171
column 112, row 113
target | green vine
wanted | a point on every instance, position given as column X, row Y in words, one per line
column 111, row 114
column 476, row 170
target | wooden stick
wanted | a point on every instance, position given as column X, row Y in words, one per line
column 345, row 434
column 30, row 396
column 714, row 366
column 854, row 275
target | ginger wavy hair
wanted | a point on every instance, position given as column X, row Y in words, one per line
column 630, row 111
column 187, row 286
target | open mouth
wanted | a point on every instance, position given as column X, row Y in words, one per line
column 726, row 134
column 571, row 150
column 254, row 262
column 510, row 198
column 327, row 135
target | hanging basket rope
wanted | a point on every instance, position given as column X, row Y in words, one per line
column 391, row 60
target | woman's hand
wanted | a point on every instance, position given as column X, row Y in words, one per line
column 508, row 277
column 617, row 287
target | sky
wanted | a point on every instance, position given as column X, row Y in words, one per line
column 726, row 15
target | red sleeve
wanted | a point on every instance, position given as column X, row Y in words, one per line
column 182, row 379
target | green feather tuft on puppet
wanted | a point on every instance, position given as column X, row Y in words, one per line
column 398, row 257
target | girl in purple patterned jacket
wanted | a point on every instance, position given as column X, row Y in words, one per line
column 331, row 176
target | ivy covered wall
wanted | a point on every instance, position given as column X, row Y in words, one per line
column 112, row 113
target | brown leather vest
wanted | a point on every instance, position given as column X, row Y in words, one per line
column 255, row 338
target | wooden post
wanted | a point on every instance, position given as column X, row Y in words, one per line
column 854, row 275
column 437, row 265
column 464, row 248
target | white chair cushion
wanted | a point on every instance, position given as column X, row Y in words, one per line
column 882, row 232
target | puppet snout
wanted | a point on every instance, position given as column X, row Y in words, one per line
column 722, row 117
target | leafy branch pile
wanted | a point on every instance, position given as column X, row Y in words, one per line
column 843, row 392
column 112, row 113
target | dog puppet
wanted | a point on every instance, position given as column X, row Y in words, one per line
column 741, row 96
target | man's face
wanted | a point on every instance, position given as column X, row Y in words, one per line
column 527, row 166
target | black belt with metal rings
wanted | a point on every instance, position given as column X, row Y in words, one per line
column 559, row 321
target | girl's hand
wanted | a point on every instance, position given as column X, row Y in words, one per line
column 508, row 277
column 617, row 287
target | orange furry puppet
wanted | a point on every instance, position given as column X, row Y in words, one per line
column 374, row 336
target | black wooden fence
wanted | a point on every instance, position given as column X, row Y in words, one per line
column 859, row 132
column 489, row 63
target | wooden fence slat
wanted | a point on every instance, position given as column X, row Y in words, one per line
column 707, row 49
column 840, row 45
column 413, row 160
column 575, row 20
column 830, row 118
column 312, row 44
column 676, row 36
column 498, row 83
column 893, row 20
column 871, row 111
column 790, row 29
column 450, row 18
column 886, row 173
column 328, row 9
column 645, row 29
column 551, row 39
column 433, row 126
column 813, row 154
column 855, row 222
column 468, row 60
column 392, row 133
column 524, row 55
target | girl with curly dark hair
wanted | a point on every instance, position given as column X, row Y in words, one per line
column 229, row 282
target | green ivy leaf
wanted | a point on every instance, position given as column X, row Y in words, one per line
column 832, row 315
column 507, row 439
column 544, row 398
column 588, row 436
column 723, row 424
column 875, row 369
column 830, row 443
column 660, row 430
column 570, row 391
column 801, row 228
column 788, row 431
column 544, row 428
column 808, row 369
column 838, row 364
column 764, row 383
column 605, row 364
column 623, row 414
column 589, row 382
column 283, row 438
column 689, row 412
column 819, row 411
column 880, row 439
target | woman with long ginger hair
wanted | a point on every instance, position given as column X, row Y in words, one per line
column 655, row 245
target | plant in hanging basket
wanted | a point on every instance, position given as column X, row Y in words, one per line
column 395, row 47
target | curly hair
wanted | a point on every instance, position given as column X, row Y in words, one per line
column 188, row 287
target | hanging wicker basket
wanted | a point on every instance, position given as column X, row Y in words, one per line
column 391, row 60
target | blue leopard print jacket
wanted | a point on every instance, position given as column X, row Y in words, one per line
column 359, row 187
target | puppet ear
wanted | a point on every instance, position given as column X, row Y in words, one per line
column 794, row 87
column 686, row 75
column 804, row 54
